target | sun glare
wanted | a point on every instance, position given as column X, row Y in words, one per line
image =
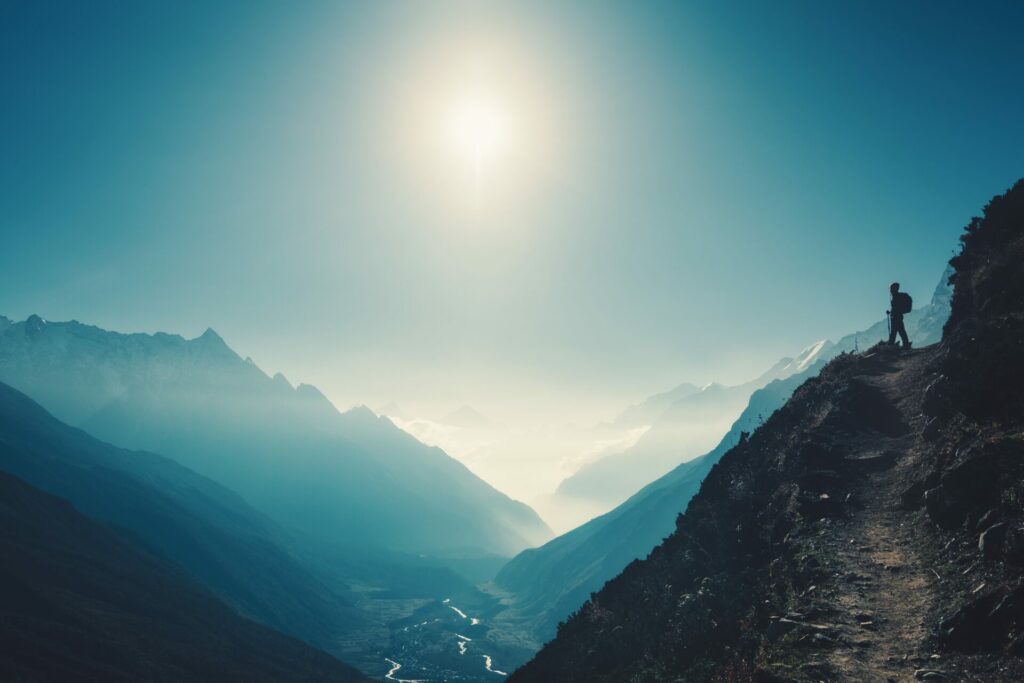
column 478, row 131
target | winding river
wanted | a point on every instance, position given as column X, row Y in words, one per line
column 463, row 642
column 395, row 666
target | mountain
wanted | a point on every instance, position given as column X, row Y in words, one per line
column 544, row 585
column 392, row 409
column 871, row 529
column 82, row 602
column 336, row 481
column 206, row 529
column 465, row 417
column 650, row 409
column 688, row 427
column 690, row 422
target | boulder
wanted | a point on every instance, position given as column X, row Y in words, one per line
column 987, row 519
column 936, row 401
column 971, row 487
column 913, row 497
column 984, row 624
column 990, row 542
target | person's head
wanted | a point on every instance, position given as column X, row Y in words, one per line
column 894, row 287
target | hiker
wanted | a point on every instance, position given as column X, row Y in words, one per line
column 900, row 304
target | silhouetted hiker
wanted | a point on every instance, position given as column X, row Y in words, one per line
column 900, row 304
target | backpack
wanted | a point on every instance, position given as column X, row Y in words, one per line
column 902, row 304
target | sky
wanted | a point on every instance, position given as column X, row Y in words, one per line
column 544, row 210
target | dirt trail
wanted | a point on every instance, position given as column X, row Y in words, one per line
column 882, row 590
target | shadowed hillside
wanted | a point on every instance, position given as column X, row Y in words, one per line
column 208, row 530
column 871, row 529
column 80, row 602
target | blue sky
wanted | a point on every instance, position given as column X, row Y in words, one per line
column 690, row 190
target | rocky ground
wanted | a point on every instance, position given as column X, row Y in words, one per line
column 885, row 577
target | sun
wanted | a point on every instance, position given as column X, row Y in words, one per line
column 477, row 127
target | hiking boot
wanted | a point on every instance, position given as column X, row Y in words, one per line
column 908, row 346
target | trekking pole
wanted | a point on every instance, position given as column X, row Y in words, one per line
column 888, row 323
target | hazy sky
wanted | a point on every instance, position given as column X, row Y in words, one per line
column 666, row 192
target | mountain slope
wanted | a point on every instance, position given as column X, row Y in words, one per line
column 543, row 585
column 653, row 407
column 688, row 427
column 348, row 479
column 873, row 520
column 688, row 421
column 546, row 584
column 201, row 526
column 79, row 602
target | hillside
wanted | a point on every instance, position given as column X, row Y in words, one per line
column 352, row 480
column 80, row 602
column 544, row 585
column 688, row 421
column 206, row 529
column 869, row 530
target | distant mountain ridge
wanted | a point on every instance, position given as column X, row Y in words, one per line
column 340, row 479
column 684, row 423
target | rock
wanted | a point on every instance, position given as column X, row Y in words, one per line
column 940, row 509
column 936, row 401
column 984, row 624
column 874, row 463
column 987, row 519
column 929, row 675
column 817, row 640
column 971, row 487
column 820, row 505
column 1014, row 546
column 780, row 627
column 821, row 480
column 932, row 429
column 913, row 497
column 1009, row 608
column 990, row 542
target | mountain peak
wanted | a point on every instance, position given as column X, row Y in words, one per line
column 34, row 325
column 210, row 342
column 807, row 357
column 210, row 335
column 392, row 409
column 465, row 416
column 310, row 391
column 361, row 411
